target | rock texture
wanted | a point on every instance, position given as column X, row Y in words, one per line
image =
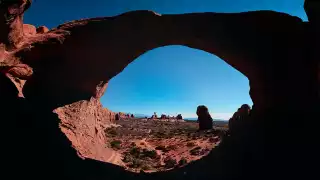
column 29, row 30
column 84, row 123
column 42, row 29
column 42, row 72
column 204, row 118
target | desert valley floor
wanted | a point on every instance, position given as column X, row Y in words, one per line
column 157, row 145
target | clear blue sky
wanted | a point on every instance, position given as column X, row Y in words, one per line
column 172, row 79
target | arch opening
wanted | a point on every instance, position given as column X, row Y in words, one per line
column 170, row 81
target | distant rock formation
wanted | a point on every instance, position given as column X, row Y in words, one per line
column 204, row 118
column 179, row 117
column 123, row 115
column 163, row 116
column 154, row 116
column 117, row 117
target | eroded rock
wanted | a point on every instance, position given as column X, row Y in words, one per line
column 84, row 123
column 29, row 29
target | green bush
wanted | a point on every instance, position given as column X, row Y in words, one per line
column 161, row 148
column 170, row 163
column 195, row 151
column 171, row 147
column 183, row 161
column 135, row 152
column 112, row 132
column 127, row 158
column 151, row 154
column 116, row 144
column 136, row 163
column 190, row 144
column 145, row 167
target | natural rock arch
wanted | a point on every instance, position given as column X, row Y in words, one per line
column 62, row 66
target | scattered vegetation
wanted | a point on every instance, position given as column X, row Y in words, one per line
column 136, row 163
column 139, row 156
column 183, row 161
column 116, row 144
column 150, row 154
column 146, row 167
column 161, row 148
column 171, row 147
column 190, row 144
column 170, row 163
column 166, row 148
column 111, row 132
column 195, row 151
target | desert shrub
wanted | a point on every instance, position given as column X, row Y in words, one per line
column 127, row 158
column 190, row 144
column 161, row 148
column 194, row 138
column 170, row 163
column 190, row 129
column 195, row 151
column 170, row 134
column 135, row 151
column 136, row 163
column 171, row 147
column 146, row 167
column 203, row 151
column 160, row 135
column 111, row 131
column 116, row 144
column 183, row 161
column 151, row 154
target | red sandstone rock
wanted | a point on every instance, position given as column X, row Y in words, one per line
column 84, row 123
column 42, row 29
column 29, row 29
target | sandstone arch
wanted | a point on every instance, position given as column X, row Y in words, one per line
column 63, row 66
